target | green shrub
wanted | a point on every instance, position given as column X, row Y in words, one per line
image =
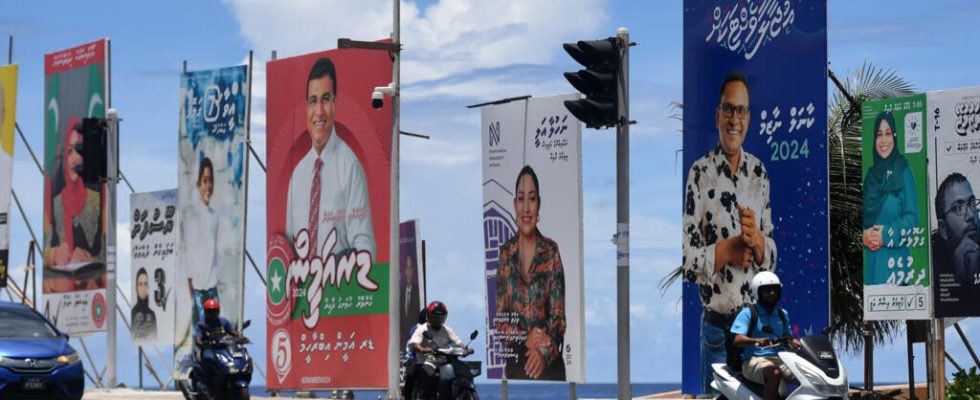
column 965, row 386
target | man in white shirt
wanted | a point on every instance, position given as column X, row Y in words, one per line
column 327, row 189
column 201, row 234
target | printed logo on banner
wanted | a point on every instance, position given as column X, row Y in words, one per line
column 913, row 132
column 494, row 133
column 98, row 310
column 282, row 358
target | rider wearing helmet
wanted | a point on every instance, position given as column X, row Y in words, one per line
column 212, row 324
column 762, row 364
column 441, row 336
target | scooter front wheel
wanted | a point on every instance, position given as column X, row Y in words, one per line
column 241, row 394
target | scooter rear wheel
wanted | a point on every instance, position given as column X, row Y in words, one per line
column 241, row 394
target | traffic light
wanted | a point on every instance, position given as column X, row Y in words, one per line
column 598, row 81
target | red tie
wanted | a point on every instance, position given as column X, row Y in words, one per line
column 315, row 204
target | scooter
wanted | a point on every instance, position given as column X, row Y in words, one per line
column 455, row 375
column 225, row 376
column 814, row 364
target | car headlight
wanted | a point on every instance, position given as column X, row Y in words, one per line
column 70, row 358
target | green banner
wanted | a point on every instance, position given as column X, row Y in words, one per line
column 895, row 227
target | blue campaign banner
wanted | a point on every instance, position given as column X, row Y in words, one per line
column 755, row 181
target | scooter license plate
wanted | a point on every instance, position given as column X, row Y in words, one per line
column 33, row 383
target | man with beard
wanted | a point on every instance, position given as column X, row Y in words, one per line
column 955, row 248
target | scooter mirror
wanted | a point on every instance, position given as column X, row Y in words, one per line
column 474, row 335
column 246, row 324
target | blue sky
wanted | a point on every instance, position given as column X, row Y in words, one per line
column 460, row 52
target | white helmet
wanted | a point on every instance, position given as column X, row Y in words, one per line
column 761, row 279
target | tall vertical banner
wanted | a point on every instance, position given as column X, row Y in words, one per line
column 8, row 113
column 755, row 162
column 953, row 123
column 412, row 283
column 211, row 197
column 895, row 220
column 328, row 193
column 74, row 258
column 532, row 203
column 153, row 237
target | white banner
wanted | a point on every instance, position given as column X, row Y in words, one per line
column 953, row 122
column 532, row 201
column 153, row 233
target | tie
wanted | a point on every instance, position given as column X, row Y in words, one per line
column 315, row 205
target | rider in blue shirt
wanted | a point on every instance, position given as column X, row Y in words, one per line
column 761, row 362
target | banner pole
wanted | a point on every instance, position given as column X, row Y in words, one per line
column 394, row 277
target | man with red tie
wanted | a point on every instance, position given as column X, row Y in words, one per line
column 327, row 190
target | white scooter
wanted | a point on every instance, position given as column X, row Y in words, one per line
column 815, row 365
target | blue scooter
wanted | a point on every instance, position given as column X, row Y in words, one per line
column 225, row 375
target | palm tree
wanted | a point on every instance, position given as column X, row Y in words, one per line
column 846, row 255
column 846, row 252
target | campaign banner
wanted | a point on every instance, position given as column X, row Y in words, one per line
column 328, row 193
column 8, row 113
column 153, row 238
column 532, row 202
column 76, row 85
column 953, row 132
column 895, row 220
column 211, row 198
column 411, row 287
column 755, row 168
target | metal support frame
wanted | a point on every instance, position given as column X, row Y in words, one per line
column 966, row 342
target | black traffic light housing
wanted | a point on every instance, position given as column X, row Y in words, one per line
column 598, row 81
column 94, row 135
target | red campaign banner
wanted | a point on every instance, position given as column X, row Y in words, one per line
column 79, row 56
column 329, row 195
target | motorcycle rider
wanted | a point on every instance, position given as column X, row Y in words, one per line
column 441, row 336
column 763, row 365
column 211, row 326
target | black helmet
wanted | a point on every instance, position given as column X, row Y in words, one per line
column 437, row 313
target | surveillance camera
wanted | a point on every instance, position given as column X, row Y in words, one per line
column 378, row 96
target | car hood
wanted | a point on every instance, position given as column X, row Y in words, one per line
column 36, row 348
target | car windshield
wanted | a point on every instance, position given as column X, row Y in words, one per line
column 25, row 324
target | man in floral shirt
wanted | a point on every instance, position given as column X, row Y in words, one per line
column 727, row 223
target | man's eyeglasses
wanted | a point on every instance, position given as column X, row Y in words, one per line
column 960, row 207
column 730, row 110
column 323, row 100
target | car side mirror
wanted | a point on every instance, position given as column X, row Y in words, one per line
column 474, row 335
column 246, row 324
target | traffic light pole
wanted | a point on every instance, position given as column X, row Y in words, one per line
column 112, row 169
column 624, row 387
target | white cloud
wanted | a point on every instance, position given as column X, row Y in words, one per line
column 445, row 38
